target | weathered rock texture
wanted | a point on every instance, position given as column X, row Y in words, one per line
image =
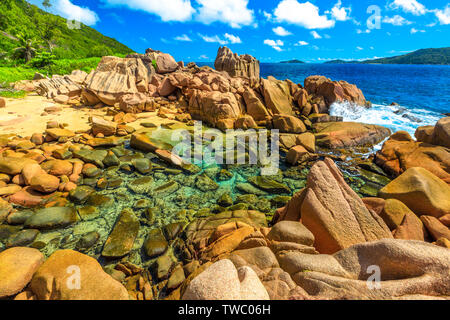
column 236, row 66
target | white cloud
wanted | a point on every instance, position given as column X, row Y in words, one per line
column 68, row 10
column 232, row 12
column 203, row 57
column 282, row 32
column 396, row 20
column 359, row 48
column 443, row 15
column 232, row 38
column 267, row 15
column 414, row 30
column 410, row 6
column 301, row 43
column 316, row 35
column 340, row 13
column 172, row 10
column 302, row 14
column 276, row 44
column 359, row 31
column 213, row 39
column 184, row 38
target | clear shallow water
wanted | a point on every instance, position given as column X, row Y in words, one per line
column 423, row 91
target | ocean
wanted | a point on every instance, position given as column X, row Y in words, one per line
column 422, row 92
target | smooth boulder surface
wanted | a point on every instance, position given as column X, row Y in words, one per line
column 17, row 266
column 222, row 281
column 349, row 134
column 421, row 191
column 335, row 214
column 70, row 275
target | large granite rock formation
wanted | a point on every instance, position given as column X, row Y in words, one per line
column 236, row 66
column 114, row 78
column 401, row 152
column 334, row 91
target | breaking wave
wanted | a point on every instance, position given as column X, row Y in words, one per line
column 395, row 117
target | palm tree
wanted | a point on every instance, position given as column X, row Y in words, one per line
column 26, row 49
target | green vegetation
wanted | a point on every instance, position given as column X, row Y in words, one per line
column 439, row 56
column 18, row 17
column 423, row 56
column 12, row 94
column 33, row 40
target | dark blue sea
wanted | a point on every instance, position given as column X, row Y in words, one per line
column 422, row 91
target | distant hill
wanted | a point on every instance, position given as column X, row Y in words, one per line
column 340, row 62
column 16, row 17
column 424, row 56
column 292, row 61
column 439, row 56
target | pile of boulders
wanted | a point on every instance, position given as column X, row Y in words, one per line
column 231, row 96
column 326, row 241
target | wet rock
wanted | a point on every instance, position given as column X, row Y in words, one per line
column 225, row 200
column 141, row 185
column 111, row 160
column 172, row 230
column 204, row 183
column 88, row 213
column 17, row 266
column 143, row 165
column 22, row 238
column 250, row 189
column 164, row 265
column 143, row 142
column 81, row 194
column 122, row 237
column 52, row 218
column 155, row 244
column 58, row 167
column 167, row 188
column 176, row 278
column 421, row 191
column 269, row 185
column 88, row 240
column 19, row 217
column 50, row 281
column 91, row 156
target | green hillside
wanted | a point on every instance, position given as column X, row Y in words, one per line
column 18, row 17
column 423, row 56
column 439, row 56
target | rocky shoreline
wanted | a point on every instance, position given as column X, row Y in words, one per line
column 141, row 223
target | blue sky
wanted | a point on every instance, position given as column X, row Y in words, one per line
column 270, row 30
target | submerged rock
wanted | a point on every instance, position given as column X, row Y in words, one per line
column 121, row 239
column 269, row 185
column 52, row 218
column 155, row 244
